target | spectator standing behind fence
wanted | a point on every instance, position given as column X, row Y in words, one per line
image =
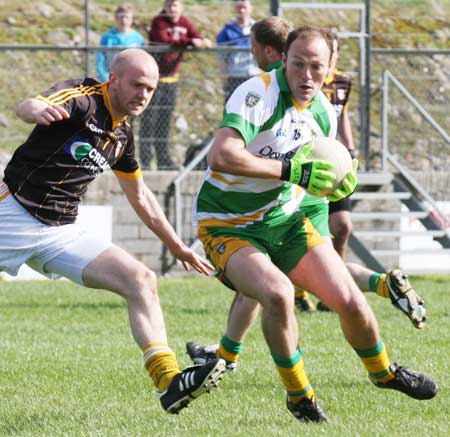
column 121, row 35
column 238, row 66
column 172, row 28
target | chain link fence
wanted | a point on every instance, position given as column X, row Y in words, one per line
column 181, row 116
column 184, row 115
column 185, row 112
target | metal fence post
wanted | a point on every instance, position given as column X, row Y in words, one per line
column 384, row 120
column 365, row 121
column 86, row 33
column 178, row 208
column 274, row 4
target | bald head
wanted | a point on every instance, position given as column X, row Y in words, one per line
column 133, row 79
column 134, row 59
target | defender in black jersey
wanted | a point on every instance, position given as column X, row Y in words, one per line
column 81, row 131
column 50, row 172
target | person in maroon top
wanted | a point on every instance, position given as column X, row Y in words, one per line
column 81, row 131
column 170, row 27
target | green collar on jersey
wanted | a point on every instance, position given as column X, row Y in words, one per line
column 274, row 65
column 281, row 78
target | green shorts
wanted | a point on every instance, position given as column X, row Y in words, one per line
column 318, row 215
column 285, row 243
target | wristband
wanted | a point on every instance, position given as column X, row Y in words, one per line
column 285, row 170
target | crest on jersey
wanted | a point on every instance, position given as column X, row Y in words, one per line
column 252, row 99
column 341, row 94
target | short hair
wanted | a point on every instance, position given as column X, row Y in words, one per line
column 272, row 31
column 310, row 32
column 334, row 37
column 124, row 8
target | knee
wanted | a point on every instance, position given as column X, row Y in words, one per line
column 342, row 228
column 144, row 284
column 245, row 302
column 147, row 279
column 354, row 307
column 280, row 300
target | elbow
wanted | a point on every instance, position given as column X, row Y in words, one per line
column 216, row 162
column 27, row 109
column 211, row 162
column 19, row 109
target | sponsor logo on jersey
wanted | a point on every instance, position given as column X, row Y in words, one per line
column 297, row 120
column 252, row 99
column 221, row 248
column 94, row 128
column 268, row 152
column 281, row 133
column 87, row 156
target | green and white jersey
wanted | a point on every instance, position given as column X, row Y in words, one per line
column 273, row 126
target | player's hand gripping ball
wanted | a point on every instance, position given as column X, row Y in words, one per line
column 314, row 175
column 344, row 167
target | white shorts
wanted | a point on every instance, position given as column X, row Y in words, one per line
column 54, row 251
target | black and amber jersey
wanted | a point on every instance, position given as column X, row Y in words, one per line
column 50, row 172
column 337, row 87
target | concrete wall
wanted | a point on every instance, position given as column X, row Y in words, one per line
column 132, row 235
column 128, row 231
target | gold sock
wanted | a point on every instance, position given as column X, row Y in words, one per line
column 161, row 364
column 382, row 288
column 229, row 357
column 376, row 362
column 300, row 294
column 293, row 376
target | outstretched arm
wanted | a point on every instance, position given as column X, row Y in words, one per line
column 149, row 211
column 37, row 111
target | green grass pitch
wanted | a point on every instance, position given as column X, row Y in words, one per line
column 69, row 366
